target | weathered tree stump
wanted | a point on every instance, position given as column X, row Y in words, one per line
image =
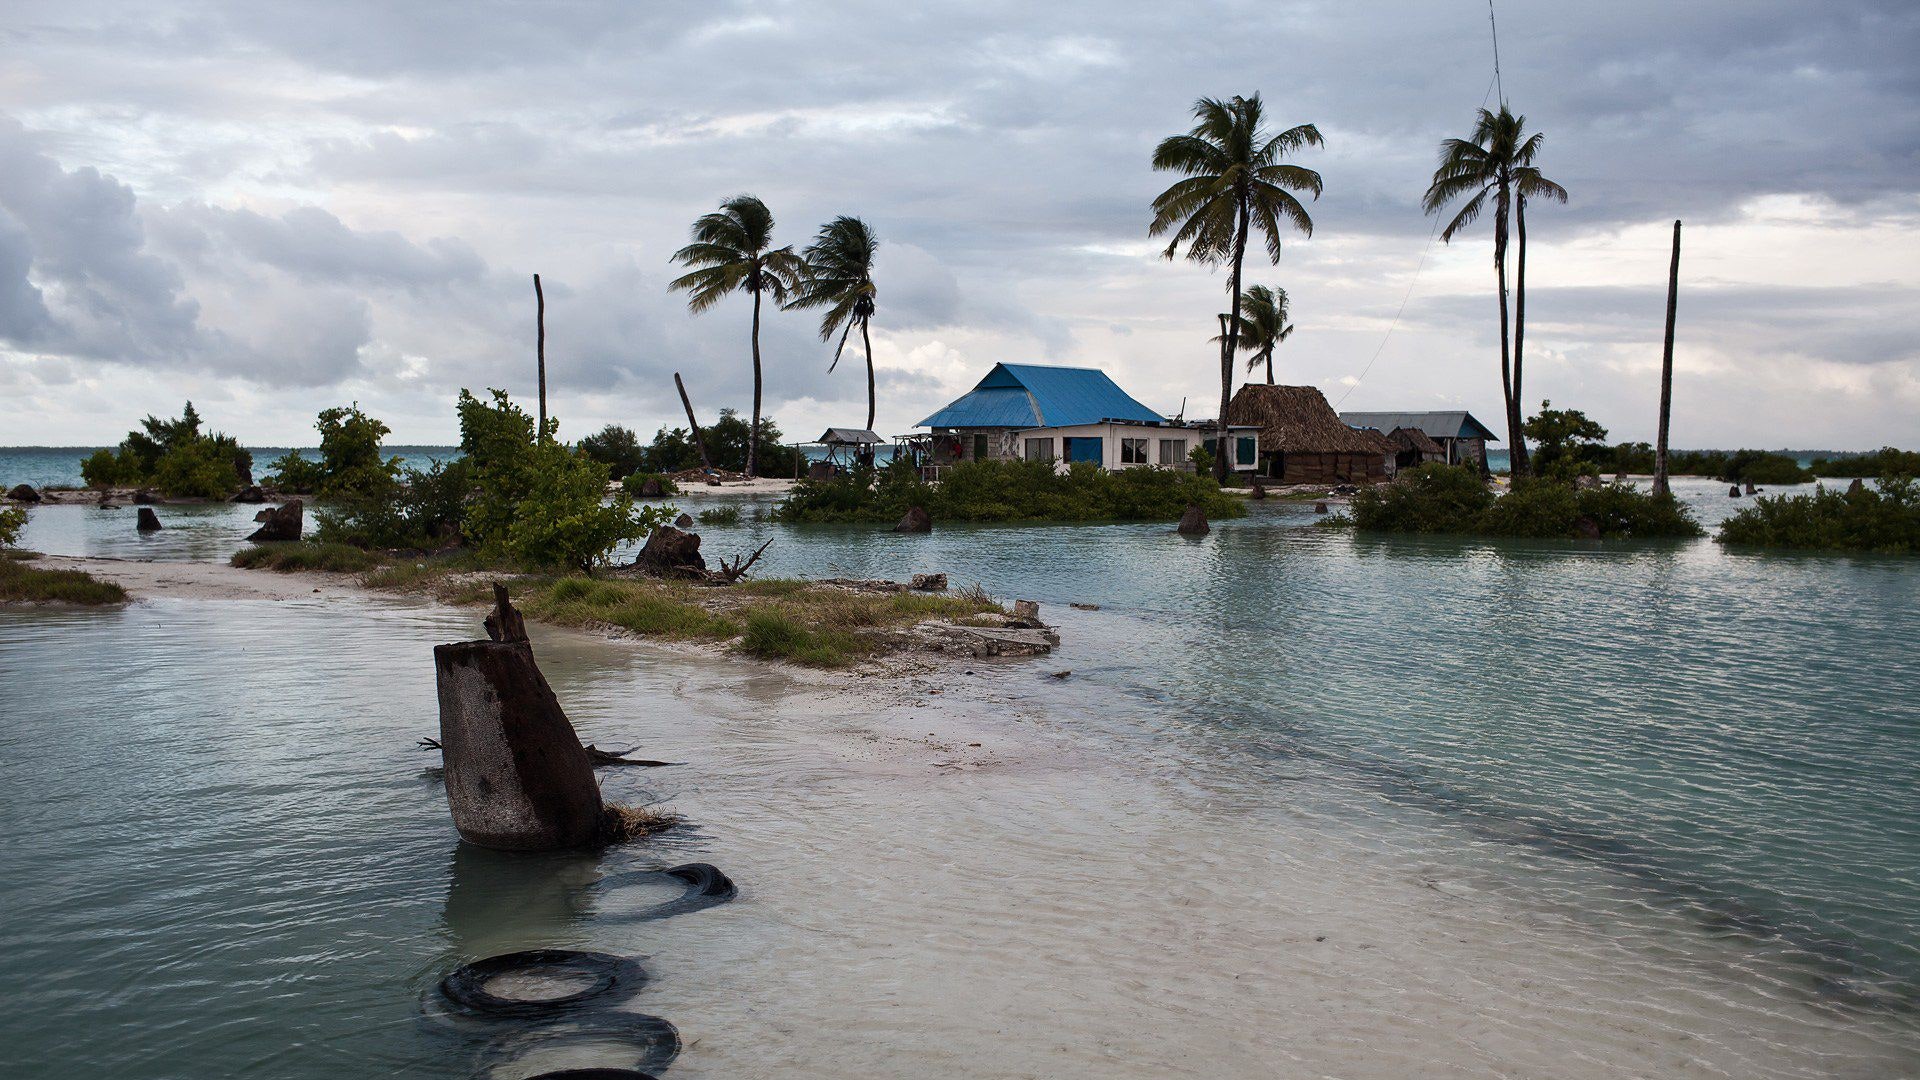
column 1194, row 522
column 149, row 521
column 517, row 778
column 930, row 582
column 279, row 523
column 671, row 552
column 1856, row 487
column 1733, row 492
column 917, row 520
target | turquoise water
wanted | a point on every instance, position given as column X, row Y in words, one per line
column 59, row 466
column 1703, row 761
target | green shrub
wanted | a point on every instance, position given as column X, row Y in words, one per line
column 673, row 450
column 23, row 583
column 617, row 448
column 303, row 555
column 350, row 463
column 12, row 520
column 719, row 515
column 1886, row 520
column 296, row 473
column 424, row 509
column 1564, row 440
column 1437, row 498
column 104, row 468
column 173, row 456
column 1008, row 491
column 635, row 482
column 1885, row 461
column 1761, row 467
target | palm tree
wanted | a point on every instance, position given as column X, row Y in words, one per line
column 840, row 279
column 1262, row 326
column 1235, row 182
column 1480, row 168
column 732, row 251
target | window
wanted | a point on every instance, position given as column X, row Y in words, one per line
column 1243, row 450
column 1039, row 449
column 1173, row 451
column 1133, row 451
column 979, row 448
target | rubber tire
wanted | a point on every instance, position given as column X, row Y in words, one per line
column 595, row 1074
column 706, row 887
column 655, row 1042
column 616, row 979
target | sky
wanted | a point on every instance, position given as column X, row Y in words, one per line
column 272, row 208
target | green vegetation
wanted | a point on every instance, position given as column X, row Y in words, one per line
column 423, row 509
column 173, row 456
column 616, row 447
column 839, row 277
column 719, row 515
column 304, row 555
column 1732, row 466
column 12, row 520
column 27, row 584
column 1885, row 461
column 1886, row 520
column 672, row 449
column 1235, row 182
column 732, row 251
column 1563, row 439
column 350, row 464
column 635, row 485
column 1437, row 498
column 1263, row 326
column 1008, row 491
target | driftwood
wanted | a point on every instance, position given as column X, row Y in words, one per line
column 517, row 777
column 594, row 754
column 731, row 572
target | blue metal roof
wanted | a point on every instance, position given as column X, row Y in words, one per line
column 1032, row 395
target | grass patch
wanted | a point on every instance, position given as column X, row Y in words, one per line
column 773, row 634
column 304, row 555
column 647, row 608
column 22, row 583
column 719, row 515
column 625, row 824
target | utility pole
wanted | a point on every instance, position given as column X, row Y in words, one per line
column 1666, row 369
column 540, row 318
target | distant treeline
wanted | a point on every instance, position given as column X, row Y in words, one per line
column 1748, row 466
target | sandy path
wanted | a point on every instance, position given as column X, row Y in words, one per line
column 205, row 581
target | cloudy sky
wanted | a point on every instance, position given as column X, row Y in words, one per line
column 276, row 207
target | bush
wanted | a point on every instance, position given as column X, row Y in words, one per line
column 636, row 482
column 617, row 448
column 173, row 456
column 719, row 515
column 12, row 520
column 1564, row 442
column 422, row 510
column 1886, row 520
column 350, row 463
column 1008, row 491
column 1761, row 467
column 22, row 583
column 1885, row 461
column 1437, row 498
column 673, row 450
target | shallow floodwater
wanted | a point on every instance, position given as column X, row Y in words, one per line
column 1308, row 804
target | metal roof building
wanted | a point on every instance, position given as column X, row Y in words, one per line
column 1034, row 395
column 1457, row 424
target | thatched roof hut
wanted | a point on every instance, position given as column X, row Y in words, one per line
column 1302, row 440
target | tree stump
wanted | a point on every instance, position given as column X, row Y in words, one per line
column 279, row 523
column 1733, row 492
column 916, row 520
column 149, row 521
column 1194, row 522
column 671, row 552
column 517, row 778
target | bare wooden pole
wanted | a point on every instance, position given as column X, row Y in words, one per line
column 699, row 441
column 540, row 318
column 1666, row 369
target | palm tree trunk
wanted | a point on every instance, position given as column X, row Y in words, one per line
column 1520, row 313
column 1517, row 453
column 1269, row 367
column 1225, row 444
column 1666, row 370
column 753, row 430
column 868, row 342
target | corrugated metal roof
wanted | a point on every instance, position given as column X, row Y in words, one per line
column 1033, row 395
column 1456, row 424
column 848, row 436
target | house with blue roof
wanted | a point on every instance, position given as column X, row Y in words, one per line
column 1037, row 412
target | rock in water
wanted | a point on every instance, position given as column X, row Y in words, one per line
column 24, row 493
column 1750, row 489
column 1259, row 491
column 671, row 551
column 917, row 520
column 149, row 521
column 1319, row 508
column 1733, row 492
column 1194, row 522
column 517, row 778
column 1026, row 610
column 684, row 521
column 279, row 523
column 930, row 582
column 250, row 494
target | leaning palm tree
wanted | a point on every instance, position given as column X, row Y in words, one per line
column 1263, row 325
column 732, row 251
column 1528, row 183
column 840, row 279
column 1235, row 183
column 1485, row 167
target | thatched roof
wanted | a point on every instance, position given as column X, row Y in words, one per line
column 1298, row 420
column 1406, row 438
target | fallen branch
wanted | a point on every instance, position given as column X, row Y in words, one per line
column 619, row 757
column 737, row 569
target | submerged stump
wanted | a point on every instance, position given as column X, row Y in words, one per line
column 148, row 521
column 517, row 778
column 1194, row 522
column 279, row 523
